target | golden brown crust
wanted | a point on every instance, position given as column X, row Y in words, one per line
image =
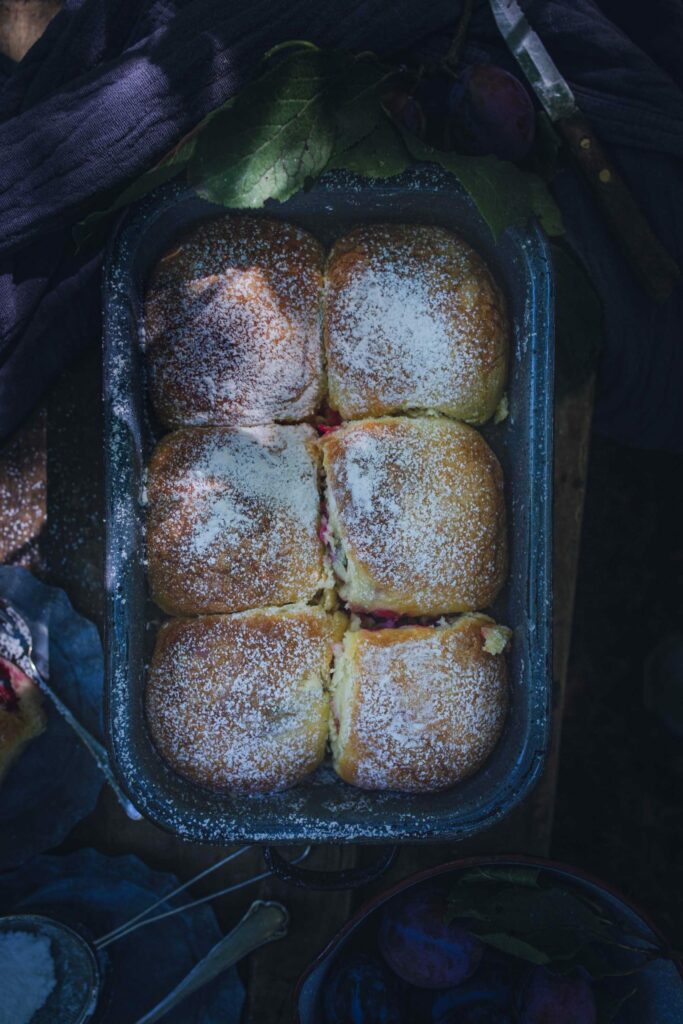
column 233, row 519
column 419, row 708
column 237, row 701
column 417, row 508
column 22, row 717
column 413, row 320
column 232, row 325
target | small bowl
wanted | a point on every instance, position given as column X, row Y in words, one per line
column 74, row 998
column 659, row 995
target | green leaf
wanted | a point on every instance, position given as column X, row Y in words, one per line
column 514, row 875
column 310, row 110
column 272, row 137
column 544, row 924
column 503, row 194
column 578, row 321
column 282, row 130
column 380, row 154
column 514, row 946
column 357, row 94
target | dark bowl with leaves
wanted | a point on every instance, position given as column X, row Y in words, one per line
column 501, row 940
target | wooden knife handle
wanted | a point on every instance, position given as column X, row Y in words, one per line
column 652, row 264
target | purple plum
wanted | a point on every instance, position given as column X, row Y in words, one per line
column 490, row 112
column 360, row 990
column 418, row 944
column 478, row 1013
column 406, row 111
column 549, row 998
column 492, row 988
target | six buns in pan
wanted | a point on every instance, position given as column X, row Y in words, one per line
column 243, row 497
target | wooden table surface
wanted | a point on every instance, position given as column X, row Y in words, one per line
column 51, row 508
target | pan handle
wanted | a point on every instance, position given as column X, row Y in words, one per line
column 347, row 878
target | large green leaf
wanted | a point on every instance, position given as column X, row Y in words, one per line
column 380, row 154
column 310, row 110
column 544, row 924
column 504, row 194
column 283, row 129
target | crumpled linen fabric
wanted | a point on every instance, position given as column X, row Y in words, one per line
column 113, row 84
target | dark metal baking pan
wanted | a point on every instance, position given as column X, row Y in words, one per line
column 325, row 809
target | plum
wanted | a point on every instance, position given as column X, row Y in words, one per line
column 418, row 944
column 360, row 990
column 406, row 110
column 550, row 998
column 478, row 1013
column 490, row 112
column 491, row 988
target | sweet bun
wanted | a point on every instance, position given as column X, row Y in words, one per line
column 413, row 320
column 232, row 325
column 415, row 516
column 238, row 702
column 417, row 708
column 233, row 519
column 21, row 714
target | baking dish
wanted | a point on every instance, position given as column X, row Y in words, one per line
column 324, row 809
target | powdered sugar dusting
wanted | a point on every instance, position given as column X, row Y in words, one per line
column 28, row 975
column 413, row 320
column 238, row 701
column 233, row 518
column 417, row 505
column 428, row 706
column 232, row 325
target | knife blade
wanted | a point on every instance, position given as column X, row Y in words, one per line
column 652, row 264
column 542, row 73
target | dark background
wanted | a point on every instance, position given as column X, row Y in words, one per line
column 618, row 810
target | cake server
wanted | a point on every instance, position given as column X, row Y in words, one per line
column 649, row 260
column 16, row 645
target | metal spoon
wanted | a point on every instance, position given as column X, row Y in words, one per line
column 263, row 922
column 74, row 998
column 16, row 645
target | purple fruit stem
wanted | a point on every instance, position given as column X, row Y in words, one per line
column 452, row 58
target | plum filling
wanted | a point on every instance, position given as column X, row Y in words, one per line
column 328, row 422
column 380, row 618
column 8, row 698
column 333, row 545
column 324, row 531
column 335, row 717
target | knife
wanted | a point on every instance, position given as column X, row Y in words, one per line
column 652, row 264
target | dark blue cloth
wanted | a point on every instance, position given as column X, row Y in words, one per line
column 113, row 84
column 55, row 783
column 95, row 894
